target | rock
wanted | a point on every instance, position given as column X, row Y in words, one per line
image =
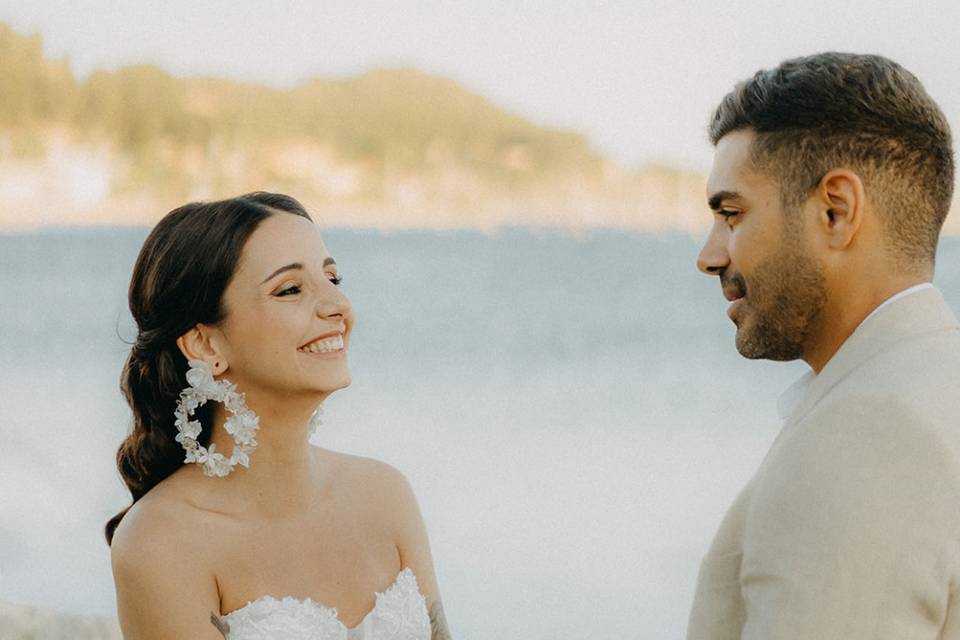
column 18, row 622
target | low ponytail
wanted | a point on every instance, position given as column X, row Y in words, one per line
column 149, row 453
column 178, row 281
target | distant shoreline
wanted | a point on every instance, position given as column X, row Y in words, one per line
column 949, row 231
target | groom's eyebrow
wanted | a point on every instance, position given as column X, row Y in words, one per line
column 719, row 197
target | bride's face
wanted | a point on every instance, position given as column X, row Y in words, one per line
column 287, row 324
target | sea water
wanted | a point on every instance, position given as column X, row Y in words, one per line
column 571, row 412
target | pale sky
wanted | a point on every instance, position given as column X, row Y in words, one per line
column 639, row 78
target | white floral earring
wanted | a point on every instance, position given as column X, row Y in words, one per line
column 242, row 424
column 315, row 420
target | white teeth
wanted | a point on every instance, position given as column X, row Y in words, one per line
column 326, row 345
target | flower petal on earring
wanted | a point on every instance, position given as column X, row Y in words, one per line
column 242, row 424
column 315, row 421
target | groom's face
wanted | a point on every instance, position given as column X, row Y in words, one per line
column 758, row 250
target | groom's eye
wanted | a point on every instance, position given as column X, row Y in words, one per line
column 728, row 214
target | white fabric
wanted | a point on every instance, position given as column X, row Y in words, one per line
column 400, row 613
column 849, row 529
column 791, row 398
column 897, row 296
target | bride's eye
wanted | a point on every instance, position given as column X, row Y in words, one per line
column 336, row 279
column 289, row 291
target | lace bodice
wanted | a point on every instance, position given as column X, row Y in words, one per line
column 400, row 613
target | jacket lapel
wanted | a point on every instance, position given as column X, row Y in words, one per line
column 912, row 316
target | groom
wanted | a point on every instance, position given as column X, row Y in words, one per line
column 831, row 179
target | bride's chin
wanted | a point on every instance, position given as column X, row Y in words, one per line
column 331, row 385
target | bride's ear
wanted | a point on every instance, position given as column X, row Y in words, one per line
column 197, row 344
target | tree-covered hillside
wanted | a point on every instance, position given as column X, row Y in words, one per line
column 387, row 148
column 388, row 121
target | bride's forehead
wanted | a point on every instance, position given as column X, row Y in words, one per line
column 285, row 234
column 280, row 240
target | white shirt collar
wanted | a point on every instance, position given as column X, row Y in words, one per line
column 790, row 399
column 897, row 296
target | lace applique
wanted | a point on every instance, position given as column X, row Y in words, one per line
column 267, row 618
column 400, row 613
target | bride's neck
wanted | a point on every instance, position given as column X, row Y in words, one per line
column 283, row 473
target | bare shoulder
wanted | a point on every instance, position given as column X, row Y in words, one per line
column 155, row 521
column 164, row 586
column 383, row 491
column 375, row 479
column 388, row 493
column 154, row 541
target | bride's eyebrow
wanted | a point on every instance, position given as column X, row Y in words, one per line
column 292, row 265
column 296, row 265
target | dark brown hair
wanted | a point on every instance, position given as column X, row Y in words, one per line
column 862, row 112
column 178, row 281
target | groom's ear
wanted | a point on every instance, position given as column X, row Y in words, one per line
column 839, row 202
column 199, row 343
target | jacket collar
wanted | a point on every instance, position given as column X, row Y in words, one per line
column 917, row 314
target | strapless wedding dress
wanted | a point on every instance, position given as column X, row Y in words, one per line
column 400, row 613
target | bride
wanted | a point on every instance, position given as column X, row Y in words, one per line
column 239, row 528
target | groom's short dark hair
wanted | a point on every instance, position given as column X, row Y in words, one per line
column 862, row 112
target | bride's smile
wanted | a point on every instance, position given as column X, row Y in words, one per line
column 330, row 344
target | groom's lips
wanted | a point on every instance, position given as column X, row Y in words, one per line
column 734, row 295
column 732, row 309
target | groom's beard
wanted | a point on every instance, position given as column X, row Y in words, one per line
column 782, row 304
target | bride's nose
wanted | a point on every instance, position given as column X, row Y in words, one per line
column 332, row 303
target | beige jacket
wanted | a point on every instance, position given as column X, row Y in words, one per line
column 850, row 528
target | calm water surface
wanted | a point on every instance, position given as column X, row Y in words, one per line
column 571, row 412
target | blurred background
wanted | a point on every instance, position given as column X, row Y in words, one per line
column 514, row 195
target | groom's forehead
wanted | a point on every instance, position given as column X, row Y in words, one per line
column 732, row 173
column 730, row 156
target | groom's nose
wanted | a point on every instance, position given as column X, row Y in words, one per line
column 713, row 258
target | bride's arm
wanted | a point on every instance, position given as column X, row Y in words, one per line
column 164, row 591
column 414, row 548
